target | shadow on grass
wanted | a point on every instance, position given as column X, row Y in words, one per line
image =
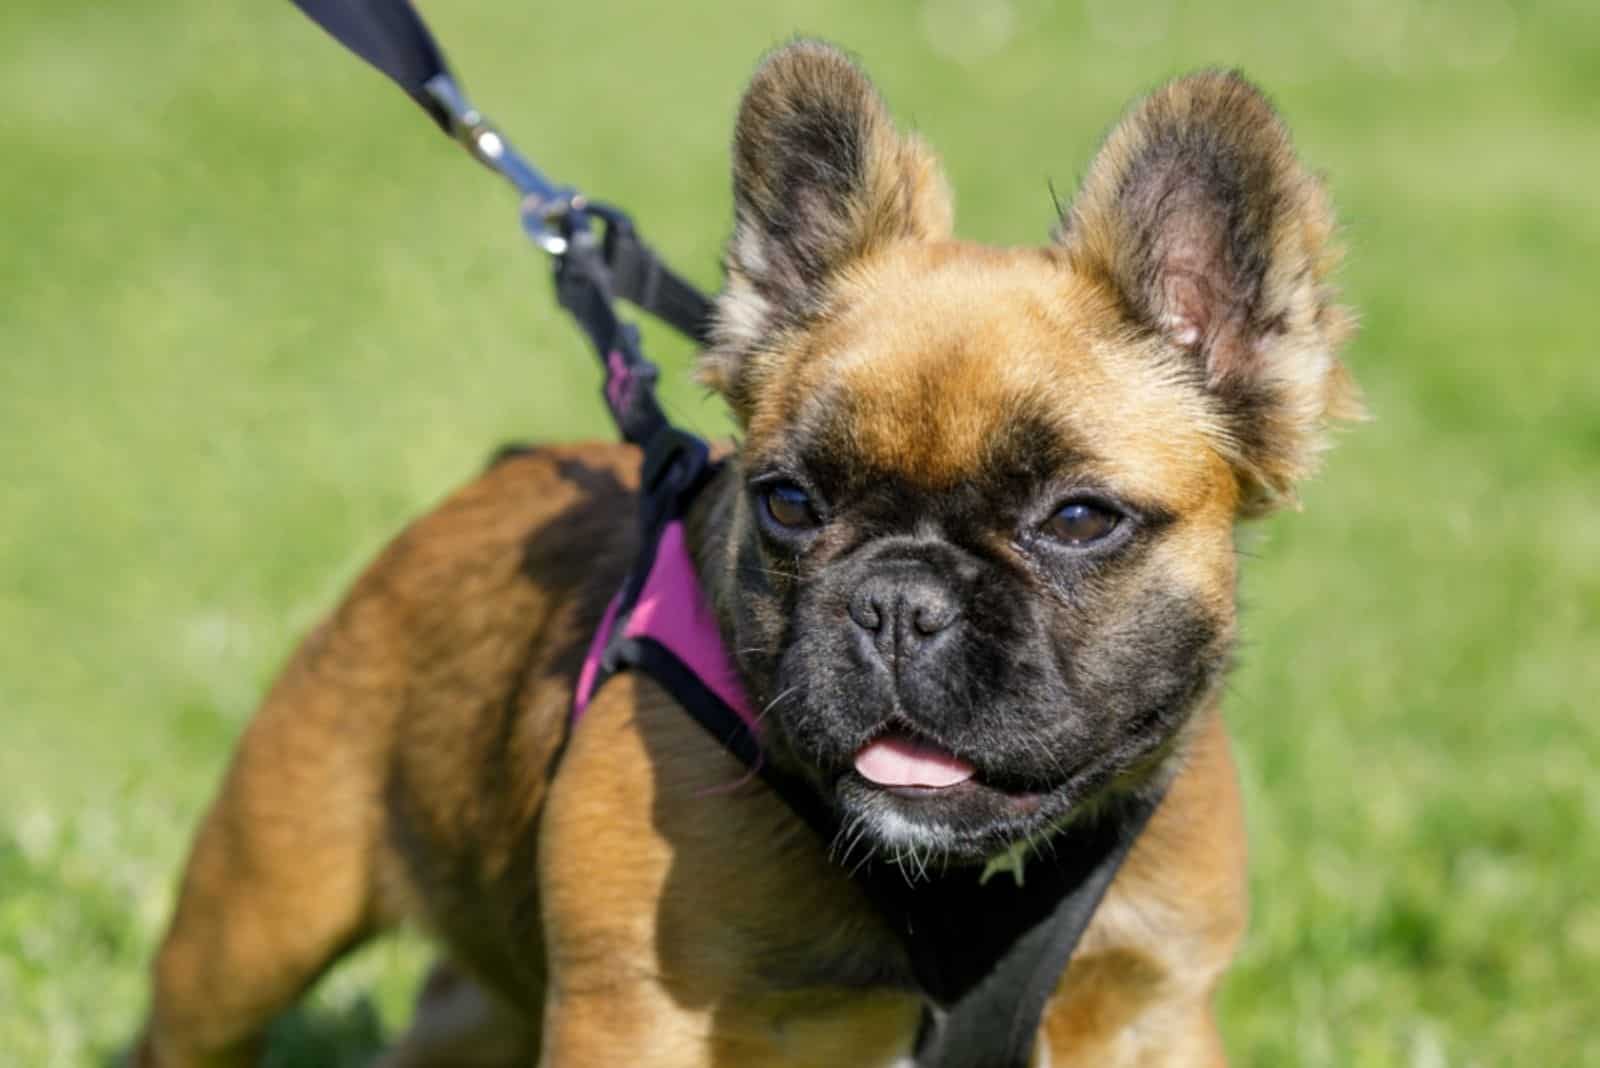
column 313, row 1036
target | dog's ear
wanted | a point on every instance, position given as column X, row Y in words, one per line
column 1213, row 237
column 821, row 180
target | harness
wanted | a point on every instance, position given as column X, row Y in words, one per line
column 984, row 953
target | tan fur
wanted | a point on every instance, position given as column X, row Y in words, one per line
column 904, row 196
column 916, row 338
column 629, row 894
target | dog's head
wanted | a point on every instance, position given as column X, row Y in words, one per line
column 981, row 567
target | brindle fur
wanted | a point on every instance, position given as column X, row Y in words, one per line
column 624, row 892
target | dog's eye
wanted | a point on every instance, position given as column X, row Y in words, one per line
column 1079, row 523
column 789, row 506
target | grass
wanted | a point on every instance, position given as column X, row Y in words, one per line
column 254, row 314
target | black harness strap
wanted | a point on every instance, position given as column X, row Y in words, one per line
column 590, row 275
column 584, row 288
column 640, row 277
column 995, row 1023
column 986, row 954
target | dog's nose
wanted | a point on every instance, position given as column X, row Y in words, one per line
column 903, row 616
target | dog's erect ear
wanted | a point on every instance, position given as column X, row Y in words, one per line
column 821, row 180
column 1211, row 234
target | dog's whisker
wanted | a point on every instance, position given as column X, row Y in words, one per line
column 844, row 834
column 770, row 705
column 867, row 856
column 871, row 849
column 771, row 572
column 854, row 834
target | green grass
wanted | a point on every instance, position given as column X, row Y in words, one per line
column 254, row 314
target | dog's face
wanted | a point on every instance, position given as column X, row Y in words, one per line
column 982, row 567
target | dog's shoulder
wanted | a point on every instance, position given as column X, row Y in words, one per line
column 677, row 882
column 1143, row 977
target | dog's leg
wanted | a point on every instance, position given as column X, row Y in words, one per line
column 690, row 918
column 629, row 1021
column 281, row 879
column 1202, row 1043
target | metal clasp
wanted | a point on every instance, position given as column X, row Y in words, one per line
column 545, row 205
column 543, row 219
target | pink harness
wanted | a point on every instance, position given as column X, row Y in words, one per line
column 672, row 611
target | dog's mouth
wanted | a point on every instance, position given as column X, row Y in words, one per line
column 913, row 767
column 913, row 795
column 899, row 760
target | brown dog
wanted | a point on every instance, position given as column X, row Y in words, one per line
column 980, row 522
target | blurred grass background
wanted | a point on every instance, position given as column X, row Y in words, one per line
column 255, row 314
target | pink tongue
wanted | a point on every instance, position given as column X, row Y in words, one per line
column 895, row 760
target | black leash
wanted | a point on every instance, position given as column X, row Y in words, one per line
column 987, row 955
column 592, row 270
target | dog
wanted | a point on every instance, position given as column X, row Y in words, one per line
column 973, row 556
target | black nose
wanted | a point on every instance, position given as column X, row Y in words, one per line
column 903, row 616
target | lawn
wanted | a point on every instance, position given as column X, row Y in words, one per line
column 255, row 313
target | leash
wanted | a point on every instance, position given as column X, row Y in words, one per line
column 986, row 957
column 597, row 254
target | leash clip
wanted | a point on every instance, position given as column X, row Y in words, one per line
column 547, row 221
column 544, row 204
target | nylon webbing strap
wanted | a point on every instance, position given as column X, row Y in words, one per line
column 996, row 1023
column 592, row 271
column 640, row 277
column 389, row 35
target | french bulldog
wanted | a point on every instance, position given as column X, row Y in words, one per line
column 972, row 556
